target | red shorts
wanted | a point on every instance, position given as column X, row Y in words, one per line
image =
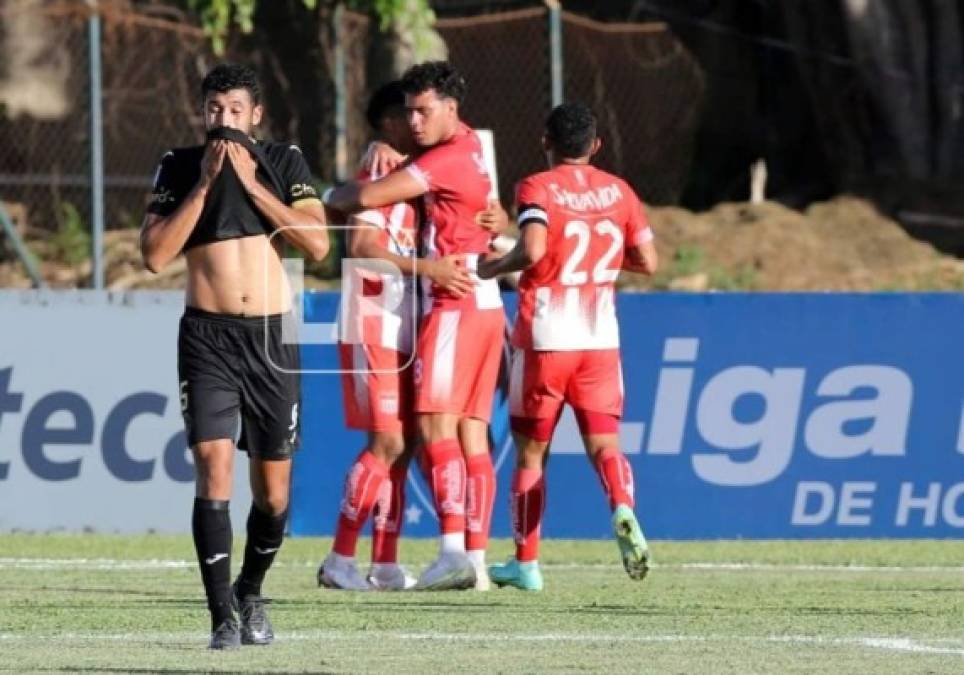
column 459, row 352
column 376, row 385
column 588, row 380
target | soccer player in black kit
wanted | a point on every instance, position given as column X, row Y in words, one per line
column 219, row 203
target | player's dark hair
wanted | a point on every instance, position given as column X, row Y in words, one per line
column 388, row 100
column 438, row 75
column 571, row 129
column 227, row 76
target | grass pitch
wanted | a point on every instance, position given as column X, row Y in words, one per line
column 98, row 604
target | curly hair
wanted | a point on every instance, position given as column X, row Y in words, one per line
column 438, row 75
column 571, row 128
column 388, row 99
column 227, row 76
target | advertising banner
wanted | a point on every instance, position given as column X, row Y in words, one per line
column 747, row 415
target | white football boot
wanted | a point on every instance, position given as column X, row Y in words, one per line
column 451, row 571
column 340, row 572
column 390, row 577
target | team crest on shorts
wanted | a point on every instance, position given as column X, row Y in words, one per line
column 388, row 404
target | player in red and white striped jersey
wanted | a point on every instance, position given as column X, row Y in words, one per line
column 378, row 316
column 580, row 226
column 460, row 339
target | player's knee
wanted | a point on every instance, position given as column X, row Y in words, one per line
column 437, row 427
column 388, row 447
column 213, row 481
column 274, row 504
column 531, row 455
column 530, row 450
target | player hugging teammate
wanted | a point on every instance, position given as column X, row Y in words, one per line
column 462, row 328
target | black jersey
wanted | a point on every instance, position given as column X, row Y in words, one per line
column 228, row 211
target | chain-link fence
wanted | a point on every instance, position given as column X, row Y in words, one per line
column 646, row 89
column 639, row 78
column 513, row 100
column 152, row 68
column 152, row 64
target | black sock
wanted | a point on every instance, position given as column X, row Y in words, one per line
column 211, row 525
column 265, row 534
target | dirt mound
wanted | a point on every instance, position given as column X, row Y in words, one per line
column 122, row 265
column 841, row 245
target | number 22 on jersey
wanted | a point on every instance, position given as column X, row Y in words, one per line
column 574, row 272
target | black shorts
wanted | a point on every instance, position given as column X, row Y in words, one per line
column 230, row 368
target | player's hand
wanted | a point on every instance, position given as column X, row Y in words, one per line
column 494, row 219
column 244, row 165
column 381, row 159
column 449, row 274
column 212, row 162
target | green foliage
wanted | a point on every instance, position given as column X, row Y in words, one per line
column 413, row 19
column 413, row 13
column 689, row 260
column 742, row 279
column 218, row 16
column 71, row 243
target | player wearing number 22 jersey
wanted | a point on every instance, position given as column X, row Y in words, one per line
column 580, row 227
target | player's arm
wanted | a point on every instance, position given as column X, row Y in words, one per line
column 448, row 273
column 533, row 225
column 528, row 250
column 165, row 230
column 641, row 258
column 641, row 248
column 398, row 186
column 302, row 224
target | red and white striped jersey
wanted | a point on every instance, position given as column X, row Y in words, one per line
column 566, row 300
column 379, row 308
column 457, row 185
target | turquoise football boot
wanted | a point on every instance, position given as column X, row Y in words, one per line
column 632, row 544
column 525, row 576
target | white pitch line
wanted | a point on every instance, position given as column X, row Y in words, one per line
column 885, row 643
column 156, row 564
column 92, row 564
column 794, row 567
column 897, row 644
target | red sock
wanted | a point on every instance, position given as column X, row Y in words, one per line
column 479, row 499
column 447, row 473
column 617, row 477
column 362, row 485
column 528, row 502
column 387, row 525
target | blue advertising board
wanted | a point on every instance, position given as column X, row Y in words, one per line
column 747, row 415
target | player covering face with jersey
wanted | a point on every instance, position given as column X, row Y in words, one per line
column 221, row 204
column 580, row 226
